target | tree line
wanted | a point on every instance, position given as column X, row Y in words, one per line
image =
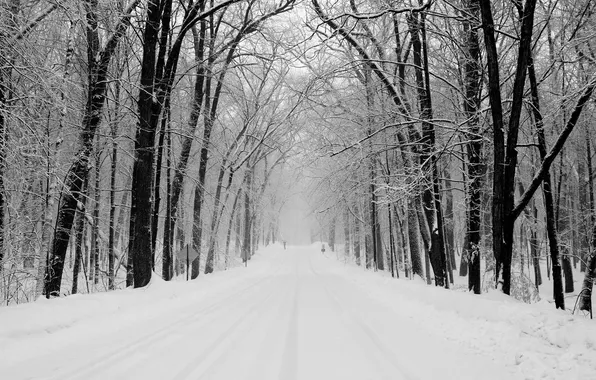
column 426, row 129
column 132, row 129
column 440, row 122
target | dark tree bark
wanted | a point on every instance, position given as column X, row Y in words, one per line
column 166, row 12
column 357, row 233
column 449, row 223
column 475, row 165
column 414, row 239
column 95, row 251
column 586, row 203
column 158, row 168
column 403, row 257
column 392, row 255
column 567, row 271
column 114, row 165
column 369, row 234
column 238, row 230
column 79, row 233
column 168, row 233
column 505, row 160
column 347, row 239
column 535, row 249
column 494, row 90
column 149, row 110
column 585, row 299
column 186, row 145
column 157, row 77
column 246, row 245
column 98, row 61
column 180, row 235
column 551, row 223
column 430, row 195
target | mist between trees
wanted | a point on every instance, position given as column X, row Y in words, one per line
column 419, row 132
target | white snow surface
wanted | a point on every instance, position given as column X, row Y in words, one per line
column 293, row 314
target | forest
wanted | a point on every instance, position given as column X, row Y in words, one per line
column 433, row 140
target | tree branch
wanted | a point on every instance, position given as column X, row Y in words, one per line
column 25, row 31
column 552, row 154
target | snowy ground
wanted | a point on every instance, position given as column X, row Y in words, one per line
column 293, row 314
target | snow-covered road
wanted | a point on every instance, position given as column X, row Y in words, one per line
column 292, row 314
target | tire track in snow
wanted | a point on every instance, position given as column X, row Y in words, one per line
column 289, row 364
column 215, row 352
column 370, row 336
column 120, row 354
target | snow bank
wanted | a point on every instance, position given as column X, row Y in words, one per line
column 540, row 341
column 534, row 341
column 24, row 327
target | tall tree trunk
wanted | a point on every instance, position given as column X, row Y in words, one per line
column 448, row 217
column 505, row 161
column 158, row 168
column 535, row 248
column 79, row 242
column 369, row 233
column 414, row 239
column 246, row 246
column 3, row 92
column 404, row 251
column 585, row 299
column 209, row 122
column 430, row 194
column 374, row 225
column 551, row 222
column 195, row 113
column 475, row 166
column 585, row 206
column 425, row 234
column 96, row 204
column 494, row 90
column 52, row 177
column 567, row 271
column 197, row 232
column 114, row 166
column 131, row 236
column 98, row 62
column 233, row 217
column 150, row 95
column 238, row 232
column 392, row 255
column 347, row 231
column 167, row 256
column 218, row 209
column 357, row 233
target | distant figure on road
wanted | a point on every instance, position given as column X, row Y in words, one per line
column 323, row 249
column 284, row 244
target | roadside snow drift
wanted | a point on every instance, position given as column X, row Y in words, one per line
column 293, row 314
